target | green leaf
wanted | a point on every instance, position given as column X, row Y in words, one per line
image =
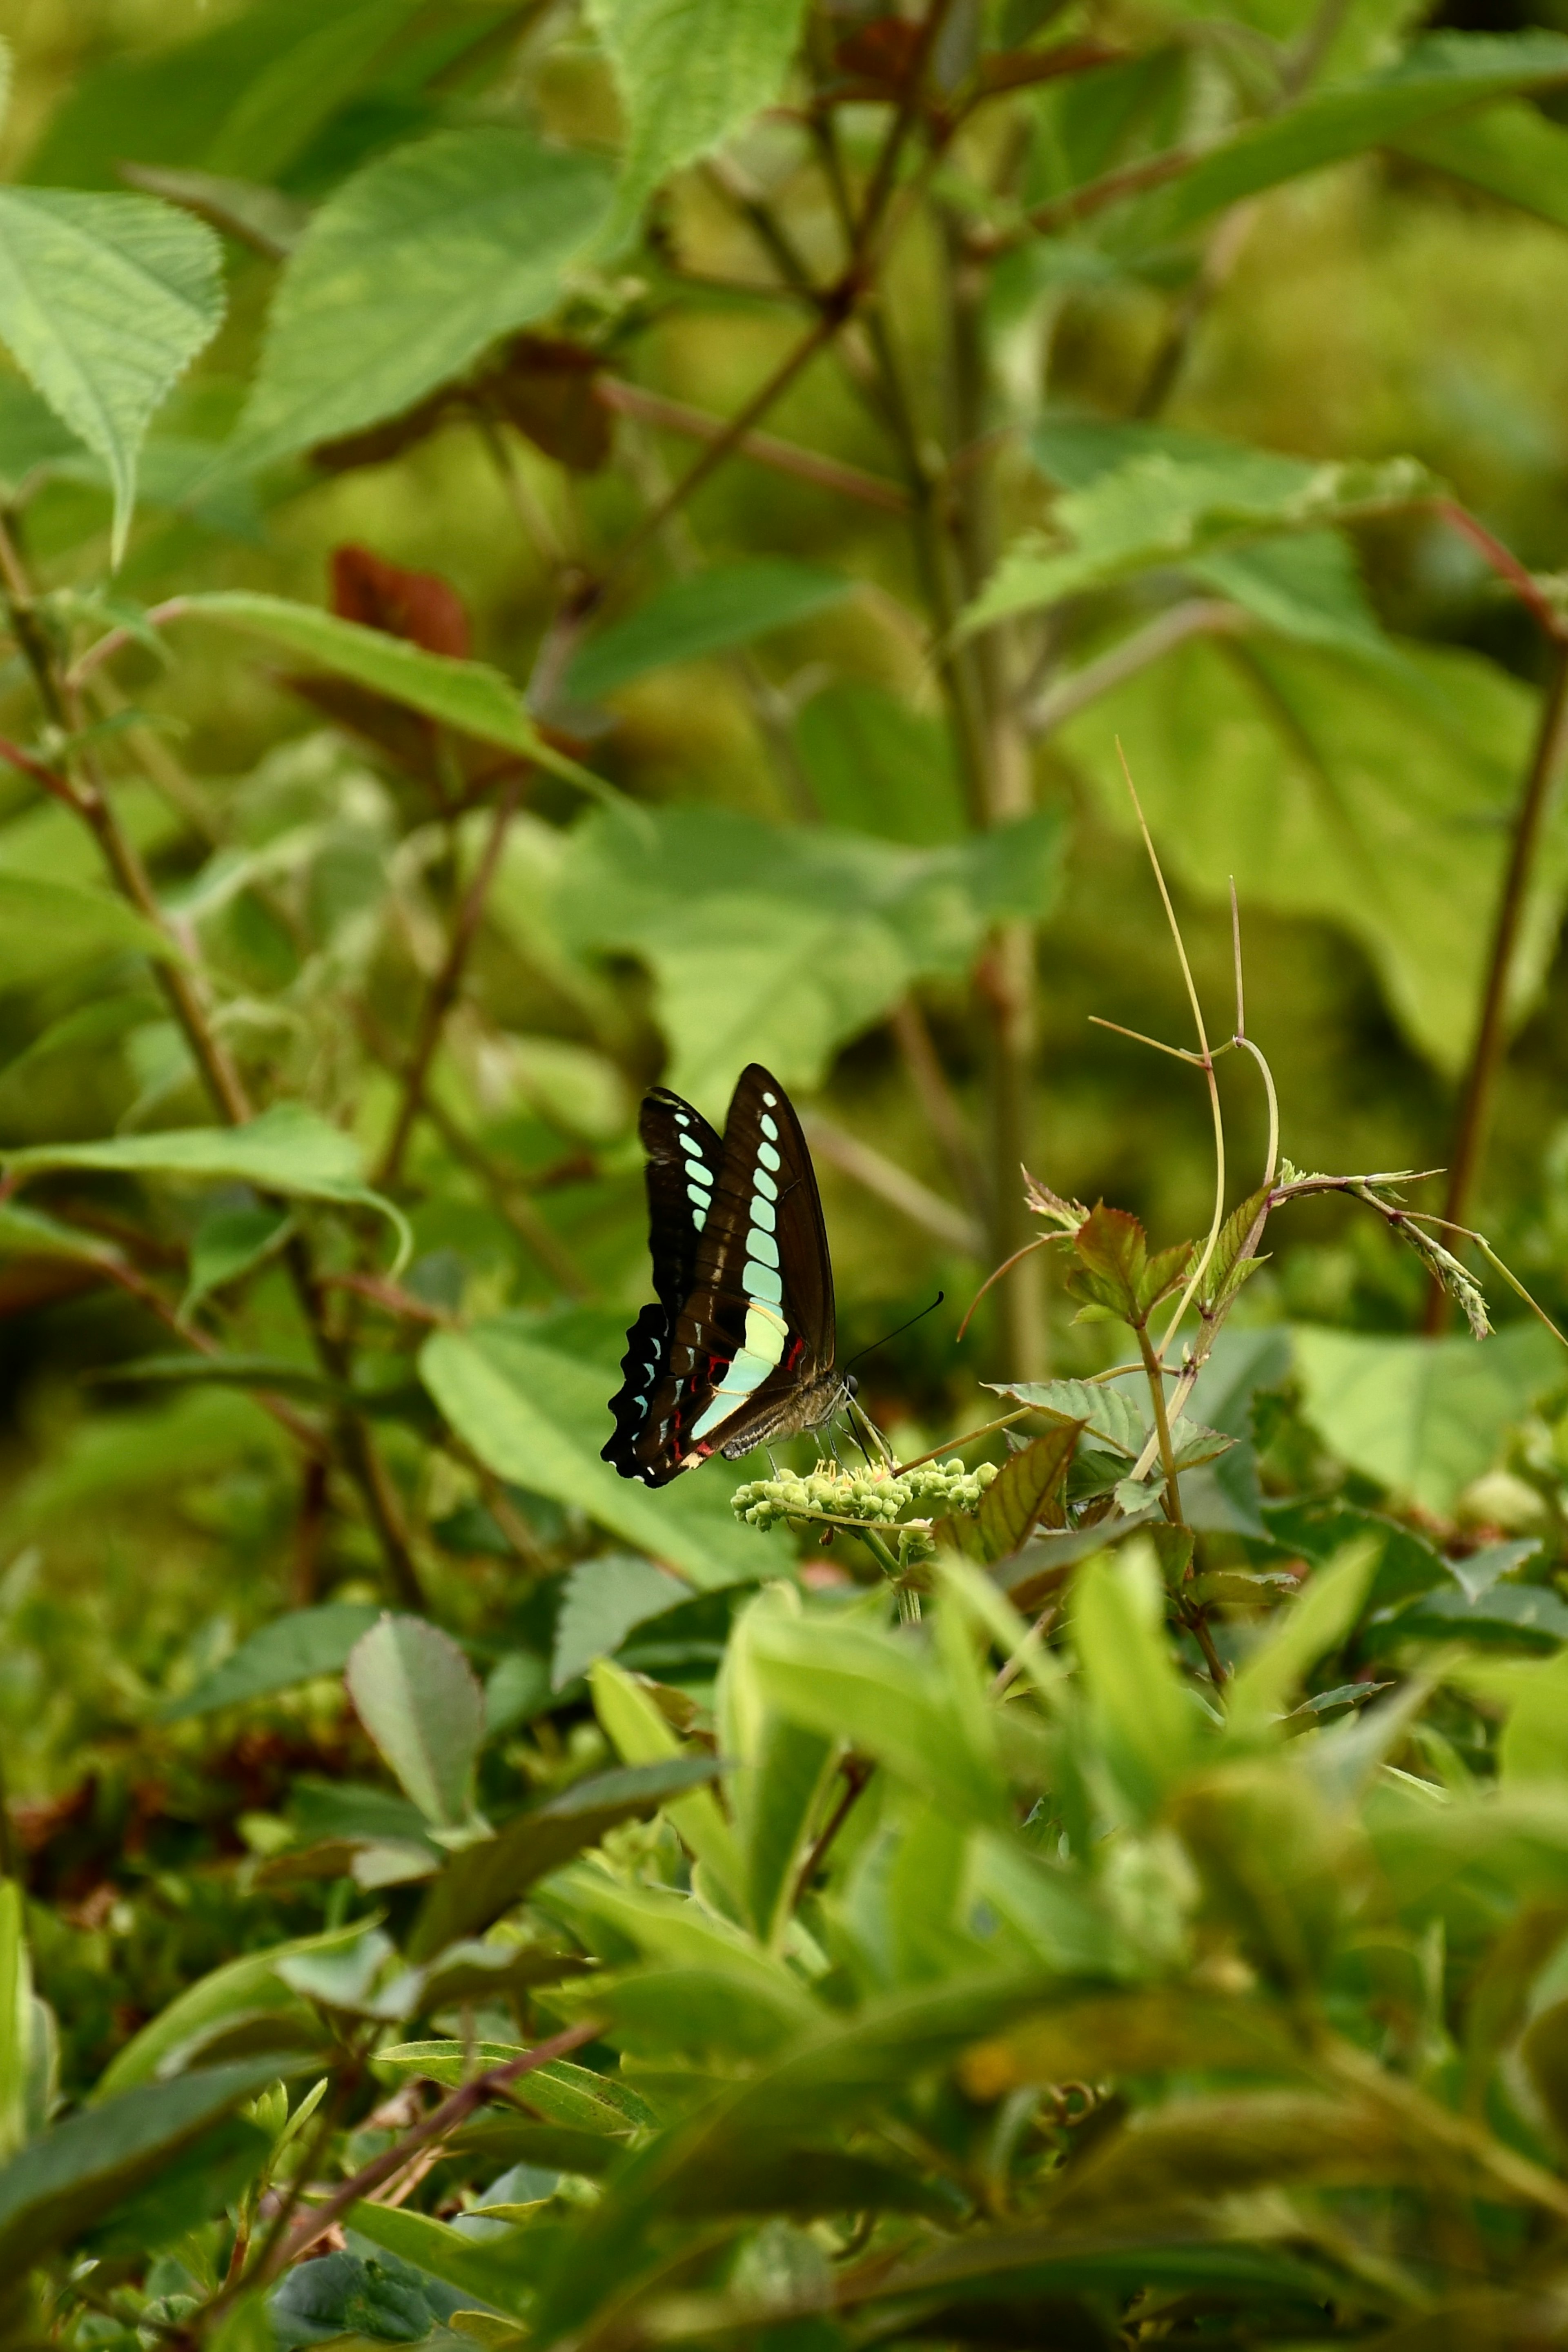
column 418, row 1698
column 228, row 1244
column 238, row 1993
column 539, row 1418
column 48, row 927
column 604, row 1599
column 781, row 943
column 876, row 766
column 408, row 272
column 494, row 2272
column 781, row 1771
column 245, row 96
column 1143, row 1714
column 1185, row 499
column 1331, row 789
column 716, row 610
column 1439, row 76
column 690, row 73
column 76, row 2173
column 104, row 301
column 16, row 2021
column 469, row 696
column 1317, row 1622
column 639, row 1734
column 854, row 1682
column 1513, row 150
column 356, row 2299
column 286, row 1150
column 487, row 1878
column 291, row 1650
column 1422, row 1417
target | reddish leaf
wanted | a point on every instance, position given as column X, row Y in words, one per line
column 1016, row 67
column 1114, row 1269
column 379, row 444
column 545, row 388
column 1027, row 1490
column 882, row 53
column 418, row 605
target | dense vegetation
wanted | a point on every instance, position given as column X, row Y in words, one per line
column 545, row 547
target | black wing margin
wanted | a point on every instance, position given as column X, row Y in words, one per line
column 684, row 1156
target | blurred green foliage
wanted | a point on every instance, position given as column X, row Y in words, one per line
column 548, row 547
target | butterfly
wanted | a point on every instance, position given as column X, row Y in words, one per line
column 738, row 1347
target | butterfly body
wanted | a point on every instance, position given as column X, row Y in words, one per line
column 737, row 1350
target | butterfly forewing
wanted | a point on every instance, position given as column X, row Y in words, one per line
column 684, row 1157
column 750, row 1356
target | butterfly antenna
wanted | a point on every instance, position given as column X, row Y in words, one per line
column 897, row 1330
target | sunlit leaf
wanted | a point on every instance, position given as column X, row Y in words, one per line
column 408, row 272
column 1422, row 1417
column 690, row 73
column 104, row 302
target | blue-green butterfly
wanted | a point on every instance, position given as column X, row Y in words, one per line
column 738, row 1348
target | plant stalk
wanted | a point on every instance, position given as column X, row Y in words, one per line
column 1472, row 1127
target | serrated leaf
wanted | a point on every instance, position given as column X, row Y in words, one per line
column 727, row 605
column 291, row 1650
column 408, row 272
column 419, row 1700
column 1211, row 506
column 603, row 1600
column 1025, row 1490
column 1109, row 1413
column 690, row 73
column 104, row 302
column 1114, row 1270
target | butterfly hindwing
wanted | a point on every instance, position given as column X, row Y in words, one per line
column 748, row 1352
column 684, row 1157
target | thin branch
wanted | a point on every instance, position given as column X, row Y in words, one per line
column 1077, row 204
column 857, row 1771
column 437, row 2126
column 1273, row 1162
column 1177, row 1052
column 730, row 438
column 1236, row 953
column 1041, row 1241
column 443, row 992
column 1218, row 1221
column 954, row 1445
column 1197, row 617
column 1485, row 1058
column 894, row 1184
column 1505, row 564
column 763, row 448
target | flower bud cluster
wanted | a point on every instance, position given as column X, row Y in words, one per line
column 874, row 1496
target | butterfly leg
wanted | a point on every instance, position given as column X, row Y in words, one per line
column 773, row 1465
